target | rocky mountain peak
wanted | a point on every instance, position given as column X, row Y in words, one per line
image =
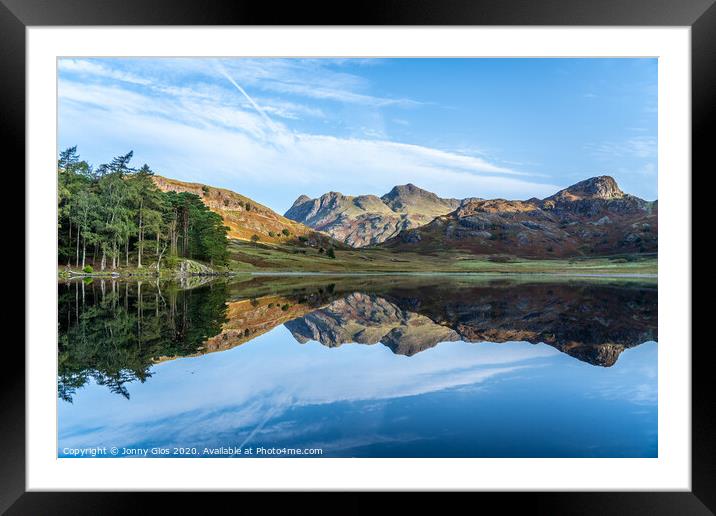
column 590, row 217
column 301, row 199
column 332, row 199
column 367, row 219
column 600, row 187
column 402, row 192
column 410, row 198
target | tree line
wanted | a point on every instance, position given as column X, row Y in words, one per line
column 115, row 215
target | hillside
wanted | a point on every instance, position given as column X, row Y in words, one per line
column 367, row 219
column 592, row 217
column 245, row 217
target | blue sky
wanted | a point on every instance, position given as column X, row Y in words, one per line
column 273, row 129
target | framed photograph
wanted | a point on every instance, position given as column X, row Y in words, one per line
column 434, row 247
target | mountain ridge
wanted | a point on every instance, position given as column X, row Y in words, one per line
column 364, row 220
column 591, row 217
column 409, row 322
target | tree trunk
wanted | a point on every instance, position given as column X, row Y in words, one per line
column 139, row 250
column 104, row 261
column 84, row 250
column 186, row 233
column 173, row 236
column 126, row 252
column 69, row 257
column 69, row 240
column 139, row 311
column 77, row 249
column 159, row 258
column 140, row 243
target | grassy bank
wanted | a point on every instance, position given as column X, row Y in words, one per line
column 182, row 268
column 247, row 257
column 268, row 258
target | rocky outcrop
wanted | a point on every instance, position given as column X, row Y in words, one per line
column 600, row 187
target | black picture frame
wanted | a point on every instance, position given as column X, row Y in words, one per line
column 700, row 15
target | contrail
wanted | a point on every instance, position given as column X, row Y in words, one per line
column 266, row 118
column 269, row 414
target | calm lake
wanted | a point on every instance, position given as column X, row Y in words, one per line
column 358, row 366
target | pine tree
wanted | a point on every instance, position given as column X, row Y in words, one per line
column 115, row 210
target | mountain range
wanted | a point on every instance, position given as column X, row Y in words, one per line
column 412, row 321
column 412, row 318
column 591, row 217
column 368, row 219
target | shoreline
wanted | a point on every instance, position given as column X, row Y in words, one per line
column 454, row 273
column 169, row 276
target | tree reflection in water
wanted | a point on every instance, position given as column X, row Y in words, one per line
column 114, row 331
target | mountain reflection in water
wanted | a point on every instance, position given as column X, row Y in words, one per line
column 361, row 366
column 114, row 332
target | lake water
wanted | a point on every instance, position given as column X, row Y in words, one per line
column 358, row 366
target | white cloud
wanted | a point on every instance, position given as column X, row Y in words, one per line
column 246, row 396
column 307, row 78
column 289, row 110
column 135, row 108
column 339, row 95
column 212, row 134
column 86, row 67
column 235, row 152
